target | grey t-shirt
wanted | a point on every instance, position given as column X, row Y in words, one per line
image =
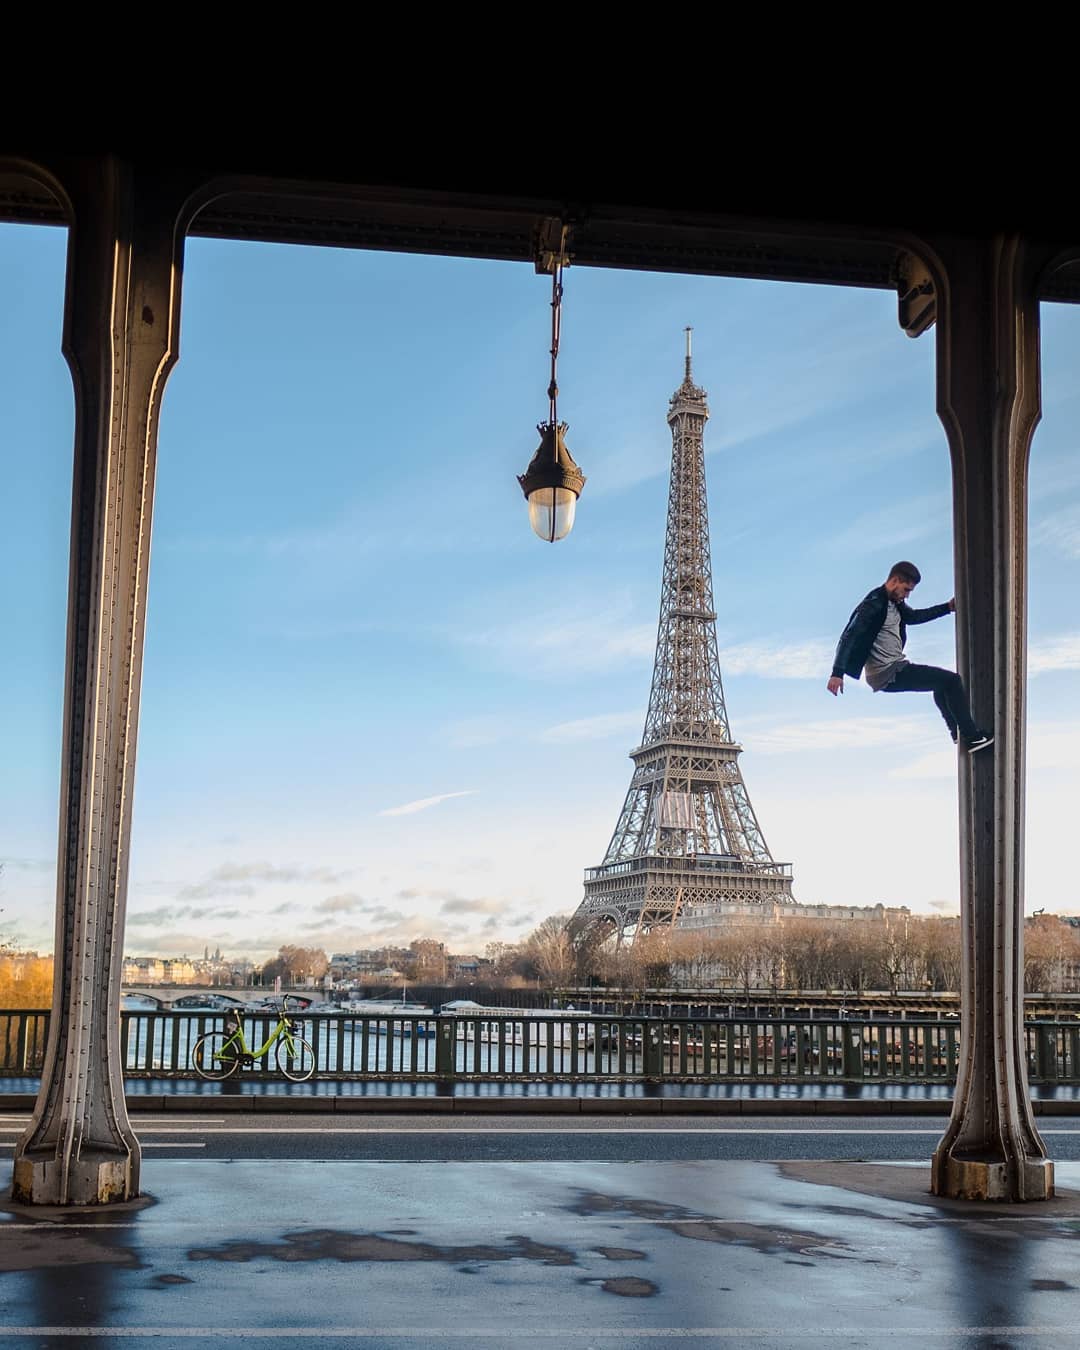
column 886, row 655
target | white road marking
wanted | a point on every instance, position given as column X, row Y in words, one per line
column 1062, row 1335
column 166, row 1121
column 152, row 1143
column 21, row 1122
column 710, row 1131
column 269, row 1131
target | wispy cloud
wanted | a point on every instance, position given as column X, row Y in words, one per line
column 592, row 728
column 169, row 914
column 1050, row 745
column 900, row 523
column 388, row 927
column 353, row 532
column 423, row 803
column 206, row 890
column 346, row 903
column 937, row 763
column 1056, row 653
column 810, row 372
column 778, row 660
column 231, row 878
column 818, row 737
column 487, row 729
column 266, row 871
column 812, row 660
column 28, row 864
column 1053, row 479
column 1059, row 531
column 459, row 905
column 600, row 639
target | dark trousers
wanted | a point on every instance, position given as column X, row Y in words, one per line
column 948, row 691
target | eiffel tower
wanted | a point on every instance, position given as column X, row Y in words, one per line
column 687, row 842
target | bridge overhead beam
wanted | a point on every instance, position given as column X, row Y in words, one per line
column 989, row 402
column 120, row 338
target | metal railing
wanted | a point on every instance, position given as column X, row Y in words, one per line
column 568, row 1046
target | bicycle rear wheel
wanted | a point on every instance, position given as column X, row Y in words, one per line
column 299, row 1064
column 215, row 1056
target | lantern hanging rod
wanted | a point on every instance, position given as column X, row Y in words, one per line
column 552, row 255
column 552, row 243
column 556, row 328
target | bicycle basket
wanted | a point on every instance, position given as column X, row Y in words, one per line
column 296, row 1028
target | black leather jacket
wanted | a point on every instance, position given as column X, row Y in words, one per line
column 865, row 624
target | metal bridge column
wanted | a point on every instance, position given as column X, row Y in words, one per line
column 989, row 402
column 121, row 326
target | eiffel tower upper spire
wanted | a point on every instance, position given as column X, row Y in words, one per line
column 687, row 836
column 688, row 392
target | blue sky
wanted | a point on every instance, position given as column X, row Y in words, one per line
column 376, row 707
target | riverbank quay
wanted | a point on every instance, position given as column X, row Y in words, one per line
column 578, row 1255
column 563, row 1099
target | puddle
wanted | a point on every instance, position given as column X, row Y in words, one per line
column 332, row 1245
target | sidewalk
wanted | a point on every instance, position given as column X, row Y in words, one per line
column 577, row 1256
column 727, row 1099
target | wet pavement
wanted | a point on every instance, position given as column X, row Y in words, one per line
column 570, row 1254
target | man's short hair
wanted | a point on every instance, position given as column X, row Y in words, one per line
column 906, row 571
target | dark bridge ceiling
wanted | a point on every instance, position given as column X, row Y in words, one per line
column 710, row 224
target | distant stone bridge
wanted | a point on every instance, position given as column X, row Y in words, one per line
column 165, row 995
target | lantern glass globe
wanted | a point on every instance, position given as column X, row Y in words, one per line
column 551, row 512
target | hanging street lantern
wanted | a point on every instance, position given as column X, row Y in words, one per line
column 552, row 483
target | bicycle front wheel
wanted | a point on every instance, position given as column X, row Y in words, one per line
column 298, row 1062
column 215, row 1056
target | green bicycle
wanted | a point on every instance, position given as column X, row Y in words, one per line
column 219, row 1054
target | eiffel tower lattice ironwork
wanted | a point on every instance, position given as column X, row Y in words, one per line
column 688, row 841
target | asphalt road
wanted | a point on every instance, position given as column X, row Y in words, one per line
column 389, row 1138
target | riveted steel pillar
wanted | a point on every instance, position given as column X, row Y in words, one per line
column 120, row 339
column 989, row 402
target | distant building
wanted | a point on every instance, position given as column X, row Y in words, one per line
column 179, row 971
column 371, row 962
column 721, row 917
column 469, row 967
column 143, row 970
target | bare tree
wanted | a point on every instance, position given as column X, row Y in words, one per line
column 6, row 942
column 1049, row 947
column 550, row 951
column 695, row 959
column 940, row 943
column 809, row 954
column 428, row 961
column 296, row 964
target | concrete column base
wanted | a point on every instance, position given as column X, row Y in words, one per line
column 90, row 1181
column 973, row 1179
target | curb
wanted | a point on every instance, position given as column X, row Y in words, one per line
column 441, row 1104
column 526, row 1106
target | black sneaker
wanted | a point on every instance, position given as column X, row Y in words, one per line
column 981, row 742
